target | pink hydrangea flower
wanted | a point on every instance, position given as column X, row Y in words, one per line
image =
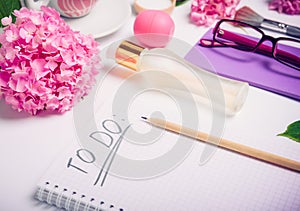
column 44, row 65
column 205, row 12
column 291, row 7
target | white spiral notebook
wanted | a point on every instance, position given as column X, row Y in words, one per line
column 227, row 182
column 222, row 184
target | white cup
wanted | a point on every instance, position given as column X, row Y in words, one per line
column 67, row 8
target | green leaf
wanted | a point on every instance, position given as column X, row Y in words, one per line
column 292, row 131
column 179, row 2
column 7, row 7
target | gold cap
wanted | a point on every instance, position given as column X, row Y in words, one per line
column 128, row 54
column 139, row 7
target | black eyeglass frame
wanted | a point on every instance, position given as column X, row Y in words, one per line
column 264, row 37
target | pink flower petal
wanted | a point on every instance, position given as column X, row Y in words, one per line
column 6, row 21
column 18, row 82
column 12, row 100
column 11, row 35
column 38, row 66
column 51, row 65
column 4, row 78
column 52, row 103
column 64, row 92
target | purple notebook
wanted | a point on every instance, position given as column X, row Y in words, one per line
column 256, row 69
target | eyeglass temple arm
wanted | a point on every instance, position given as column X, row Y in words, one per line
column 236, row 39
column 262, row 49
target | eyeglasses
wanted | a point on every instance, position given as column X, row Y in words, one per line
column 242, row 36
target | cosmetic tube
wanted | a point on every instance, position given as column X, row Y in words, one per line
column 224, row 93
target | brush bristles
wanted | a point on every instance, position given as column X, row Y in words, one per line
column 246, row 14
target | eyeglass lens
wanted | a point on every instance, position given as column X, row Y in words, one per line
column 247, row 38
column 237, row 35
column 288, row 52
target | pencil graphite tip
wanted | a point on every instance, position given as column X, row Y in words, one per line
column 144, row 118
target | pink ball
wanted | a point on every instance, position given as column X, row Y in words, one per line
column 153, row 28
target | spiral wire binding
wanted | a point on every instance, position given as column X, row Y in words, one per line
column 59, row 198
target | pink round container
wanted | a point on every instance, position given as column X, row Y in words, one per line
column 154, row 28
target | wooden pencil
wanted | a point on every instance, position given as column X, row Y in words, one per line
column 226, row 144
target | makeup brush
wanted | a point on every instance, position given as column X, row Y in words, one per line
column 247, row 15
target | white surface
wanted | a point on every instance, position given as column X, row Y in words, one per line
column 105, row 18
column 154, row 4
column 29, row 144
